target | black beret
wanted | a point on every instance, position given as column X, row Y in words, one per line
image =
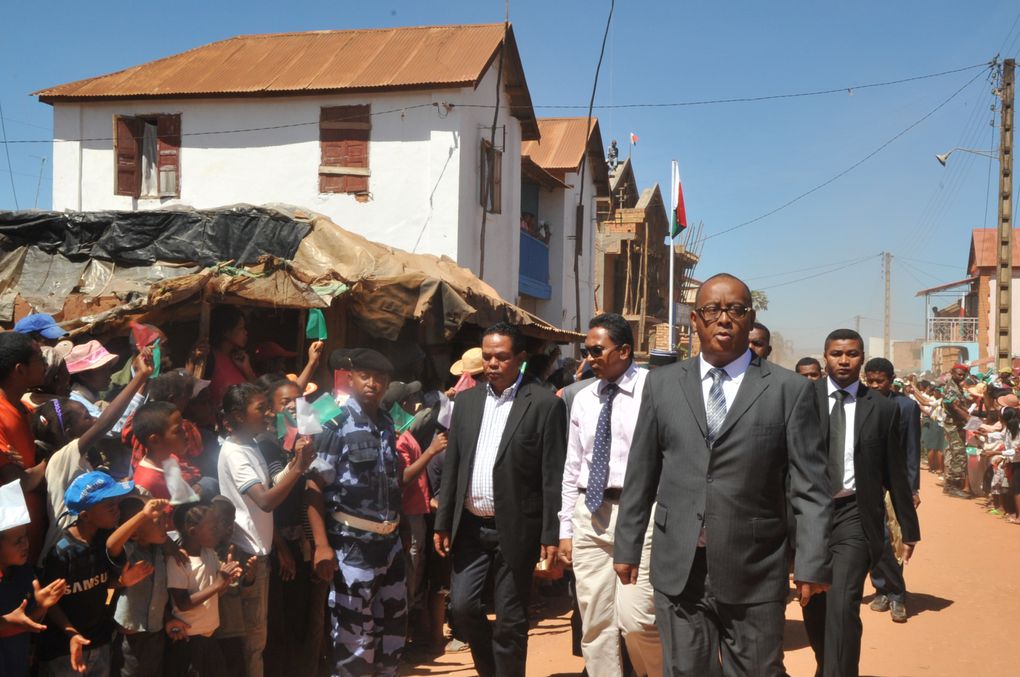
column 360, row 358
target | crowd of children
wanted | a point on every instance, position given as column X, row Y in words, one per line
column 153, row 522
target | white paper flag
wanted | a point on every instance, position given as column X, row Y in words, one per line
column 180, row 491
column 307, row 418
column 13, row 510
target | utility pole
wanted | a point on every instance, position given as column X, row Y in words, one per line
column 887, row 318
column 1004, row 269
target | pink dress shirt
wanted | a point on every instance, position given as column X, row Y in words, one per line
column 584, row 417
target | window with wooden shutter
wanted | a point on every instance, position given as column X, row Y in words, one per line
column 343, row 138
column 144, row 164
column 168, row 159
column 491, row 179
column 127, row 155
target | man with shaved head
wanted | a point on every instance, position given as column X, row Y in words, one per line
column 719, row 436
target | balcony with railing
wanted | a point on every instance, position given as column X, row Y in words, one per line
column 534, row 268
column 952, row 329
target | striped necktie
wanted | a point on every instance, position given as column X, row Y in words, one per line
column 716, row 407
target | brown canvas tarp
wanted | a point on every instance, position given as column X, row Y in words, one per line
column 382, row 287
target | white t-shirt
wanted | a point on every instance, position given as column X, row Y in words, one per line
column 199, row 574
column 240, row 467
column 62, row 469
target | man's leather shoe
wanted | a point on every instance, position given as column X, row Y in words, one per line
column 899, row 612
column 880, row 603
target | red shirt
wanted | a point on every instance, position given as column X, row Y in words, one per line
column 416, row 492
column 152, row 480
column 16, row 434
column 225, row 374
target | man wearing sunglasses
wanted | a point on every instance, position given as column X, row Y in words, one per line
column 719, row 435
column 602, row 421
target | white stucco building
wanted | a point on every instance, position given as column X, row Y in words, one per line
column 566, row 146
column 384, row 131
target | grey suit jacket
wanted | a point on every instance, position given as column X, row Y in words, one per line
column 738, row 485
column 880, row 465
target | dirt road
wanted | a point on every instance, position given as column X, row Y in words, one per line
column 964, row 606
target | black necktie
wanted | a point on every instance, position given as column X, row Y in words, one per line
column 598, row 472
column 837, row 441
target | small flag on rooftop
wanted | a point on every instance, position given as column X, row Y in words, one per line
column 633, row 139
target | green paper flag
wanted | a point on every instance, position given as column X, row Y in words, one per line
column 327, row 408
column 316, row 327
column 401, row 419
column 286, row 429
column 157, row 359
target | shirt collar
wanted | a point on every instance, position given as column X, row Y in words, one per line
column 853, row 388
column 625, row 383
column 734, row 369
column 508, row 394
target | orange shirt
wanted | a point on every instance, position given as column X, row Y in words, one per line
column 16, row 434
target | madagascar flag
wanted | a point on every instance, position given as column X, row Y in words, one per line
column 677, row 213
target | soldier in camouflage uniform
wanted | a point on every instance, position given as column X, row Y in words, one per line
column 955, row 454
column 368, row 598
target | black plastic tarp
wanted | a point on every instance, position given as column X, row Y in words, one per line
column 241, row 234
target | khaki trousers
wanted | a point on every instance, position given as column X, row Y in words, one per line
column 609, row 608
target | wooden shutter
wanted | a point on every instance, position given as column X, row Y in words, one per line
column 344, row 132
column 497, row 182
column 168, row 155
column 127, row 156
column 490, row 191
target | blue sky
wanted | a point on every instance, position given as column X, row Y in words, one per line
column 738, row 161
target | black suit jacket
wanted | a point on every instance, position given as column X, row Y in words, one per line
column 910, row 437
column 880, row 464
column 527, row 475
column 738, row 485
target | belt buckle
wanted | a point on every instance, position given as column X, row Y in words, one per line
column 388, row 527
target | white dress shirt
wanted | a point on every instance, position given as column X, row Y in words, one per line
column 849, row 406
column 481, row 499
column 735, row 371
column 584, row 418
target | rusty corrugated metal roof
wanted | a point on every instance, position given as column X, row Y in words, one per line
column 421, row 57
column 563, row 143
column 562, row 147
column 984, row 249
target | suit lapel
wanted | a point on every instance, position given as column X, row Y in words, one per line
column 522, row 402
column 865, row 405
column 690, row 383
column 751, row 388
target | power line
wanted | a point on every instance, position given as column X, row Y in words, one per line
column 748, row 99
column 930, row 263
column 799, row 270
column 824, row 272
column 7, row 151
column 848, row 169
column 772, row 97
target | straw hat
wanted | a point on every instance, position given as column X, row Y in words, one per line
column 469, row 363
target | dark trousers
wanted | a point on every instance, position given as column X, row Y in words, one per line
column 887, row 574
column 197, row 657
column 143, row 654
column 499, row 649
column 297, row 613
column 703, row 637
column 833, row 619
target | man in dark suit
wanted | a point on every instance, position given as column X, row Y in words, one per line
column 866, row 459
column 717, row 436
column 887, row 574
column 499, row 500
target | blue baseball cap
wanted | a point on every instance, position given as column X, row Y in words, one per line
column 91, row 489
column 40, row 323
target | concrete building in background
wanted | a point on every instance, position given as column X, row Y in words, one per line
column 387, row 132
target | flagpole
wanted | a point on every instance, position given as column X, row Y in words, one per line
column 672, row 253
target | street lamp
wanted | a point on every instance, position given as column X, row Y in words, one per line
column 943, row 158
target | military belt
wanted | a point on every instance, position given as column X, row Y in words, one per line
column 382, row 528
